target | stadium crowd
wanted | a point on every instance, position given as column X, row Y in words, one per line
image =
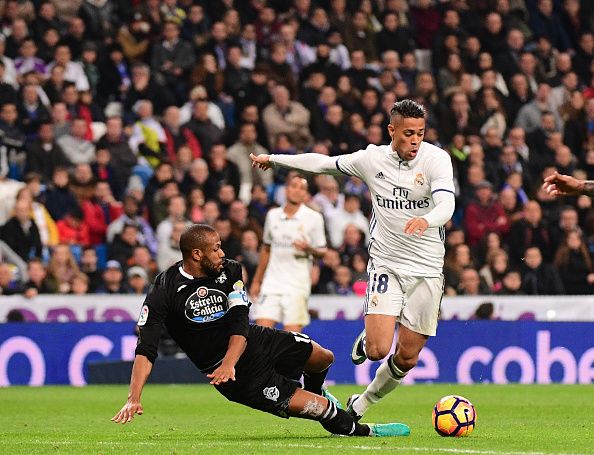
column 121, row 122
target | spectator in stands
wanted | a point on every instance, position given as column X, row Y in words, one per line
column 485, row 215
column 79, row 284
column 89, row 266
column 511, row 283
column 134, row 37
column 203, row 127
column 177, row 136
column 239, row 154
column 287, row 117
column 229, row 243
column 122, row 157
column 73, row 71
column 44, row 154
column 350, row 213
column 100, row 211
column 341, row 284
column 38, row 282
column 530, row 232
column 172, row 59
column 241, row 221
column 539, row 278
column 73, row 229
column 21, row 233
column 471, row 284
column 122, row 247
column 145, row 87
column 223, row 171
column 249, row 253
column 142, row 258
column 12, row 142
column 169, row 252
column 148, row 136
column 112, row 279
column 457, row 259
column 494, row 270
column 131, row 214
column 176, row 211
column 137, row 280
column 75, row 145
column 327, row 268
column 574, row 263
column 59, row 199
column 8, row 285
column 61, row 268
column 568, row 222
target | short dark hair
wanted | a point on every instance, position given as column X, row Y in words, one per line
column 407, row 109
column 194, row 237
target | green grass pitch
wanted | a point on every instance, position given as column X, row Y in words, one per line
column 514, row 419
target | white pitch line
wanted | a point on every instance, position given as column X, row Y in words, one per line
column 320, row 446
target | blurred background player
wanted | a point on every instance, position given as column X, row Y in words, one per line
column 293, row 237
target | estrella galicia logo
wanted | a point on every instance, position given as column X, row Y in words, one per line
column 271, row 393
column 206, row 305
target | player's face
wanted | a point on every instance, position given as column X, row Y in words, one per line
column 212, row 257
column 296, row 190
column 407, row 135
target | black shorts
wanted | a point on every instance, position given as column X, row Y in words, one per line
column 268, row 373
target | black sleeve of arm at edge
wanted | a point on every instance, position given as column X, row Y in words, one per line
column 150, row 332
column 238, row 320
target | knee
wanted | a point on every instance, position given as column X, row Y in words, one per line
column 327, row 357
column 376, row 352
column 405, row 362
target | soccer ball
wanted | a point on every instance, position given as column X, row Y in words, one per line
column 454, row 415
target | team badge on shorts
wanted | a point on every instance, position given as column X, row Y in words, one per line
column 271, row 393
column 419, row 179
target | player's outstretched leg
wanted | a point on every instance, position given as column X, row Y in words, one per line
column 391, row 373
column 307, row 405
column 315, row 371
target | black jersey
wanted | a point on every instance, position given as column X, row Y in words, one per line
column 201, row 314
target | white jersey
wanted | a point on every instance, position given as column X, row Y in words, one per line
column 288, row 268
column 401, row 190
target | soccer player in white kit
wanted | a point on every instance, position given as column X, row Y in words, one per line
column 412, row 189
column 293, row 236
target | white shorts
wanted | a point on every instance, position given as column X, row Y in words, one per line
column 288, row 309
column 414, row 300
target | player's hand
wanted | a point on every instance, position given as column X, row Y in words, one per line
column 127, row 412
column 255, row 290
column 416, row 226
column 261, row 161
column 223, row 373
column 562, row 185
column 302, row 245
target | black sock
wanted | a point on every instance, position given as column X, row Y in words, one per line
column 338, row 421
column 312, row 382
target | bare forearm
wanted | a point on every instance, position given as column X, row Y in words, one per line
column 262, row 264
column 140, row 373
column 237, row 344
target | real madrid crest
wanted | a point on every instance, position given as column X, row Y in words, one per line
column 419, row 179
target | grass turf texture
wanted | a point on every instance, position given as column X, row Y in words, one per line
column 513, row 419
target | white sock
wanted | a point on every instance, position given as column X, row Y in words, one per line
column 387, row 377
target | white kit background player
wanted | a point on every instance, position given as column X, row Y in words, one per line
column 293, row 236
column 412, row 190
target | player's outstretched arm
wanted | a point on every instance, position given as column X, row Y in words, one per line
column 566, row 185
column 306, row 162
column 140, row 373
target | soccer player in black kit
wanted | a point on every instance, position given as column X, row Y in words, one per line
column 202, row 302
